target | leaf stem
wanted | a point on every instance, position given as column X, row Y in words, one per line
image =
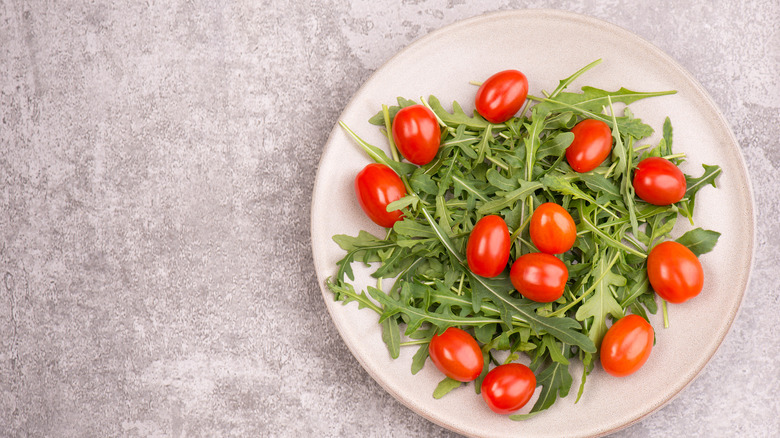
column 633, row 241
column 393, row 149
column 415, row 342
column 566, row 82
column 665, row 312
column 519, row 229
column 441, row 122
column 497, row 163
column 389, row 134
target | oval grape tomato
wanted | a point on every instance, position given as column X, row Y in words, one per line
column 487, row 251
column 501, row 96
column 539, row 277
column 675, row 272
column 658, row 181
column 626, row 346
column 416, row 133
column 456, row 354
column 552, row 229
column 376, row 186
column 591, row 146
column 507, row 388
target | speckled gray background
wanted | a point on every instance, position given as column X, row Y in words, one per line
column 156, row 168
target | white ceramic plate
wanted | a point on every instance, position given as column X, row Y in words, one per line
column 547, row 46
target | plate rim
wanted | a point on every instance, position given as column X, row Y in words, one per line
column 599, row 24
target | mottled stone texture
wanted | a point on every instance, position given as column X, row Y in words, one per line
column 156, row 168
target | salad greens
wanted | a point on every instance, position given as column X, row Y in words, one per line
column 508, row 169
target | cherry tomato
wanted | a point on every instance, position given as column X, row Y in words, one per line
column 376, row 186
column 674, row 272
column 501, row 96
column 487, row 251
column 539, row 277
column 552, row 229
column 626, row 346
column 456, row 354
column 416, row 134
column 591, row 146
column 658, row 181
column 507, row 388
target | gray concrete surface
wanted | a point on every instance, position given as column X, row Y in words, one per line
column 156, row 167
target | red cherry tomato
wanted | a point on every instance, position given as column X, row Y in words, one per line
column 658, row 181
column 552, row 229
column 591, row 146
column 674, row 272
column 501, row 96
column 456, row 354
column 487, row 251
column 507, row 388
column 416, row 134
column 626, row 346
column 376, row 186
column 539, row 277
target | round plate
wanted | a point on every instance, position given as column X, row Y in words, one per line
column 547, row 46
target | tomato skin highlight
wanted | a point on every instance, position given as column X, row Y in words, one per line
column 591, row 146
column 507, row 388
column 487, row 251
column 626, row 346
column 539, row 277
column 658, row 181
column 416, row 133
column 675, row 272
column 552, row 229
column 376, row 186
column 501, row 96
column 456, row 354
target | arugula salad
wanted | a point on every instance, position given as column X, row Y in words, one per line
column 537, row 230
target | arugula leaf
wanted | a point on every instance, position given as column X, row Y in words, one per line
column 419, row 358
column 364, row 244
column 508, row 199
column 601, row 303
column 555, row 145
column 445, row 386
column 391, row 336
column 346, row 293
column 555, row 381
column 667, row 138
column 693, row 185
column 564, row 83
column 623, row 169
column 699, row 241
column 565, row 329
column 593, row 99
column 598, row 183
column 417, row 316
column 458, row 116
column 378, row 154
column 628, row 126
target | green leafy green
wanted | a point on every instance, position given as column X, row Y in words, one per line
column 458, row 116
column 445, row 386
column 555, row 381
column 601, row 303
column 699, row 241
